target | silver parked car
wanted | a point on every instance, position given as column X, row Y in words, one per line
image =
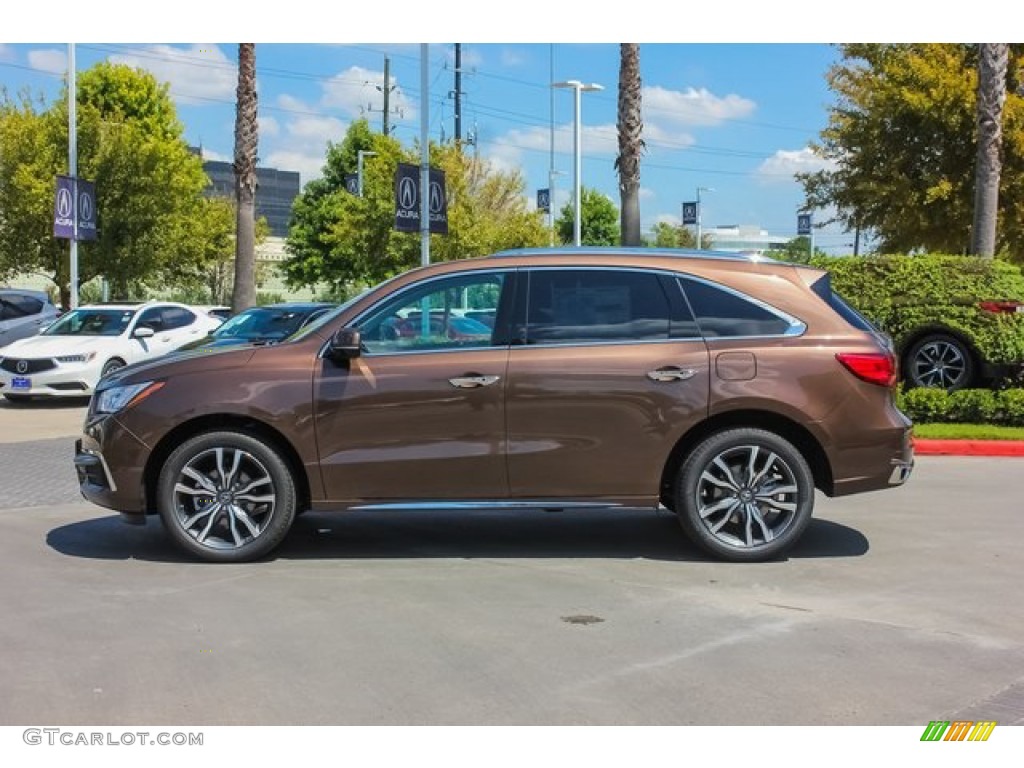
column 23, row 313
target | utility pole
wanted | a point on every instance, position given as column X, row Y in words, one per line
column 73, row 167
column 457, row 95
column 387, row 92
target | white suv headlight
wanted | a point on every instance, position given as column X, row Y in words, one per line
column 116, row 399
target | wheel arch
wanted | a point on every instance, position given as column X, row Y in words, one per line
column 801, row 438
column 213, row 422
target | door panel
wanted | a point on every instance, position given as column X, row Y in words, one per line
column 420, row 415
column 589, row 421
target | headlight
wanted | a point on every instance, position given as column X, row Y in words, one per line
column 118, row 398
column 81, row 358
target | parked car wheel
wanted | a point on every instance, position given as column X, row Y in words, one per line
column 939, row 360
column 111, row 366
column 226, row 496
column 745, row 495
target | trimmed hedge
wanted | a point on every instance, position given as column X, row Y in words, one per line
column 967, row 406
column 902, row 294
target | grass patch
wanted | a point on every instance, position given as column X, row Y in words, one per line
column 967, row 432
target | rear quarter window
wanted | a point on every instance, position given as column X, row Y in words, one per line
column 823, row 289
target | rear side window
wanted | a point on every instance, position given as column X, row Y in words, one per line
column 571, row 306
column 176, row 317
column 15, row 305
column 823, row 288
column 722, row 314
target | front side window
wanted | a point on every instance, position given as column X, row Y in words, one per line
column 573, row 306
column 436, row 315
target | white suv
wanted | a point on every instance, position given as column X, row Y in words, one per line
column 70, row 357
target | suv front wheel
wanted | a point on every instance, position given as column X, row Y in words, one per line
column 744, row 495
column 226, row 496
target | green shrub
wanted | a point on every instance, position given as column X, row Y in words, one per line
column 972, row 406
column 925, row 404
column 905, row 293
column 1010, row 407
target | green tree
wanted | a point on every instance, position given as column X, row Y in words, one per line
column 797, row 250
column 246, row 140
column 666, row 235
column 346, row 241
column 631, row 143
column 600, row 225
column 901, row 141
column 148, row 184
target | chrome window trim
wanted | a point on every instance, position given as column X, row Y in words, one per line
column 797, row 327
column 426, row 281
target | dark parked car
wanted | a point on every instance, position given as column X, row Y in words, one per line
column 724, row 387
column 24, row 313
column 268, row 324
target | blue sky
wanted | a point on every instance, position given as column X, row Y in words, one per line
column 730, row 116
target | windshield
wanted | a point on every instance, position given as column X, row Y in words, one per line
column 263, row 324
column 327, row 317
column 92, row 321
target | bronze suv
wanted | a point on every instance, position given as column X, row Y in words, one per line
column 726, row 388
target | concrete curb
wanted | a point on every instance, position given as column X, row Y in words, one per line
column 924, row 447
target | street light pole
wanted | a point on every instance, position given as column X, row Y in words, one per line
column 699, row 190
column 359, row 167
column 578, row 88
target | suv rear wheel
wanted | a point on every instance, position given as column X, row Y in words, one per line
column 226, row 496
column 745, row 495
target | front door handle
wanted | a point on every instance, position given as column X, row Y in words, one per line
column 671, row 373
column 472, row 381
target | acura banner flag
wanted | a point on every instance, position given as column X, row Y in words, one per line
column 407, row 200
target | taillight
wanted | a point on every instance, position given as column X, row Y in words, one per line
column 1002, row 306
column 873, row 367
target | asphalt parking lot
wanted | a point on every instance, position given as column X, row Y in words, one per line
column 897, row 608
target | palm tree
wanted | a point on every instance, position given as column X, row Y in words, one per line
column 631, row 143
column 245, row 179
column 988, row 165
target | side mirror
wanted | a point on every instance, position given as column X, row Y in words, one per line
column 346, row 343
column 144, row 332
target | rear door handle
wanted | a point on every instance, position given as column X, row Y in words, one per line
column 472, row 381
column 671, row 373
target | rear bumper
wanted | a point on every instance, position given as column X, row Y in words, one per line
column 886, row 462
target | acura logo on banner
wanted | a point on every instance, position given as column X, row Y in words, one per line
column 352, row 183
column 803, row 224
column 63, row 205
column 544, row 200
column 689, row 213
column 407, row 200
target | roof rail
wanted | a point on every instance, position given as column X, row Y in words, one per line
column 605, row 250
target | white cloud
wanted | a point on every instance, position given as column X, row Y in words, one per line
column 209, row 154
column 646, row 193
column 355, row 89
column 694, row 106
column 506, row 151
column 268, row 126
column 780, row 167
column 512, row 57
column 197, row 74
column 302, row 140
column 6, row 53
column 48, row 60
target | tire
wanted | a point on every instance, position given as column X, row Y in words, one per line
column 111, row 366
column 226, row 497
column 939, row 360
column 745, row 495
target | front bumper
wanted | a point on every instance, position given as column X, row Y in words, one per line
column 65, row 380
column 109, row 461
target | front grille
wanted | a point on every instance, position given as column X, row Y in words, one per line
column 11, row 365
